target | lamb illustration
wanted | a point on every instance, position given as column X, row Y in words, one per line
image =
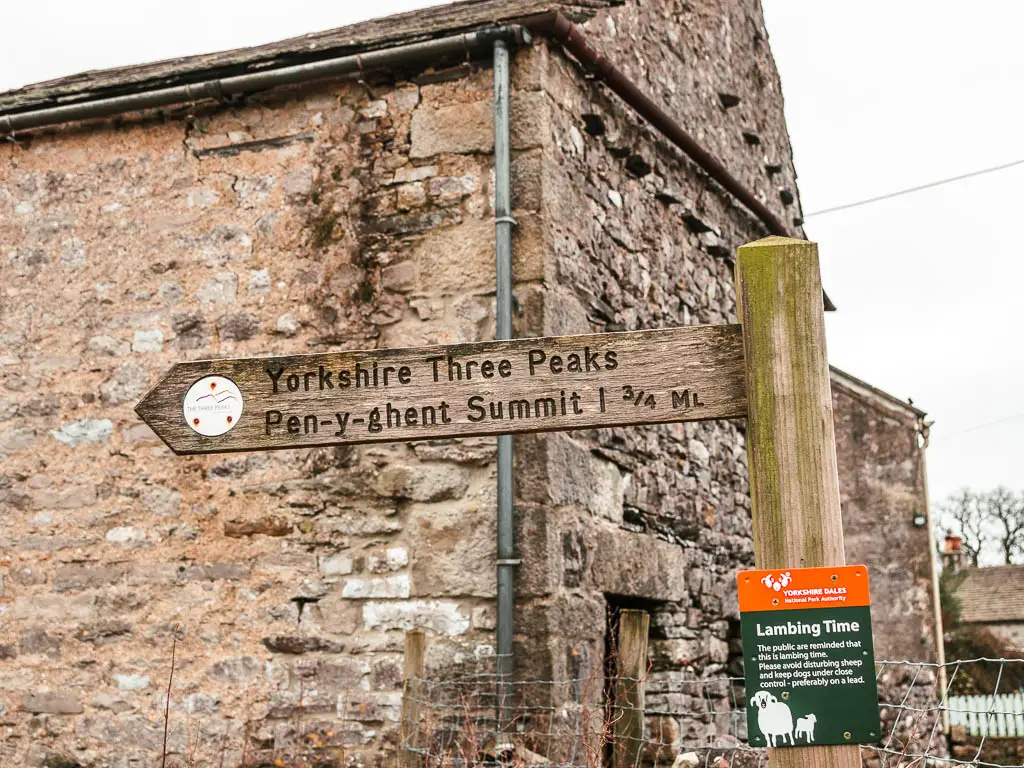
column 805, row 727
column 773, row 718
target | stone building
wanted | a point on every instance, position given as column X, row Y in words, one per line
column 882, row 486
column 991, row 598
column 357, row 212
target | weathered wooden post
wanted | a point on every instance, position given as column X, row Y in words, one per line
column 794, row 482
column 412, row 698
column 631, row 673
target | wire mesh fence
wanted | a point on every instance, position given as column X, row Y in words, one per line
column 687, row 721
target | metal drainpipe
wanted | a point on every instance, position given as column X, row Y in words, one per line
column 923, row 429
column 503, row 223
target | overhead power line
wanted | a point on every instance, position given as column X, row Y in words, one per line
column 918, row 188
column 985, row 425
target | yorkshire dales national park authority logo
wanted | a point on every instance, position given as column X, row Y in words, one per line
column 212, row 406
column 777, row 583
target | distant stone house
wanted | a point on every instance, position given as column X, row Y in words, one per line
column 993, row 598
column 357, row 212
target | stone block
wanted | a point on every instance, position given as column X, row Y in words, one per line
column 455, row 260
column 237, row 326
column 452, row 550
column 102, row 633
column 75, row 433
column 236, row 670
column 46, row 404
column 446, row 189
column 364, row 523
column 148, row 341
column 259, row 281
column 75, row 577
column 127, row 385
column 634, row 564
column 410, row 173
column 17, row 439
column 219, row 289
column 39, row 642
column 125, row 536
column 58, row 608
column 162, row 501
column 68, row 497
column 297, row 644
column 336, row 565
column 52, row 703
column 131, row 682
column 452, row 129
column 401, row 277
column 200, row 704
column 468, row 128
column 474, row 451
column 338, row 675
column 436, row 615
column 262, row 526
column 432, row 482
column 216, row 572
column 596, row 484
column 134, row 732
column 153, row 573
column 394, row 559
column 370, row 706
column 388, row 586
column 108, row 346
column 116, row 703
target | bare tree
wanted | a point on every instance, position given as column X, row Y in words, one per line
column 1005, row 511
column 987, row 518
column 966, row 514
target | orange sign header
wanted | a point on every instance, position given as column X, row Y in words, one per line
column 787, row 589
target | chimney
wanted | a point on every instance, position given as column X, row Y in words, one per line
column 952, row 552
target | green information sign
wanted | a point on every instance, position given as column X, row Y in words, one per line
column 808, row 657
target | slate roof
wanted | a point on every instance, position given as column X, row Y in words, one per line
column 377, row 33
column 991, row 594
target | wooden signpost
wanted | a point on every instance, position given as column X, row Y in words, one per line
column 486, row 388
column 771, row 369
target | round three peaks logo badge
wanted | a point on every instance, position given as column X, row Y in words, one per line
column 212, row 406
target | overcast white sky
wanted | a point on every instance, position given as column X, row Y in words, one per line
column 879, row 96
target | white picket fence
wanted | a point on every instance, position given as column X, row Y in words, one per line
column 1001, row 715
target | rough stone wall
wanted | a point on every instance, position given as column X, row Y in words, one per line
column 882, row 487
column 655, row 517
column 994, row 750
column 1009, row 632
column 332, row 217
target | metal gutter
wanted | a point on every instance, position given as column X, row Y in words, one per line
column 229, row 86
column 571, row 37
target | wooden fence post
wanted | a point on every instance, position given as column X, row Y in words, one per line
column 791, row 443
column 412, row 698
column 631, row 673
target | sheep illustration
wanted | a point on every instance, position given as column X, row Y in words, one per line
column 805, row 727
column 774, row 719
column 777, row 584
